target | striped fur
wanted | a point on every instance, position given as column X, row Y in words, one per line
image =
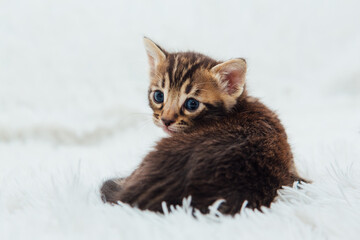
column 181, row 76
column 232, row 147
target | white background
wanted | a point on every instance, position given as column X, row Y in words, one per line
column 73, row 111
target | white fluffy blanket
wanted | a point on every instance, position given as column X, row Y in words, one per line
column 73, row 112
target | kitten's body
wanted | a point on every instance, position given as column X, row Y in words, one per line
column 234, row 148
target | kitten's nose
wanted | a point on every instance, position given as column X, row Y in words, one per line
column 167, row 122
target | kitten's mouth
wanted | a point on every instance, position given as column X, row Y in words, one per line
column 167, row 130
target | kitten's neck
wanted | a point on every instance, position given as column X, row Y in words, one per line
column 246, row 104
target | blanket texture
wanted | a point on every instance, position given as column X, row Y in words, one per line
column 73, row 112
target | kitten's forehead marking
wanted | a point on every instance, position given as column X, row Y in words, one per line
column 182, row 67
column 170, row 68
column 183, row 94
column 175, row 67
column 185, row 62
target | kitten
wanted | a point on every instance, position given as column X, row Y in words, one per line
column 223, row 144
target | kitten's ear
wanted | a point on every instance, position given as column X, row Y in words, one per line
column 231, row 76
column 156, row 55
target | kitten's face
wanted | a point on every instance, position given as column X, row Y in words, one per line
column 188, row 88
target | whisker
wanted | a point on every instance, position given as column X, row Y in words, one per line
column 146, row 124
column 140, row 114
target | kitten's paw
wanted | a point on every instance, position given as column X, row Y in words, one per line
column 110, row 190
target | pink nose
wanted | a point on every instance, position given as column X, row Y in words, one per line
column 167, row 122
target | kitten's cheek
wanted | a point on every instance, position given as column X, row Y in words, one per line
column 157, row 122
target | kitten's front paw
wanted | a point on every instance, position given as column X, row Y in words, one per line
column 110, row 190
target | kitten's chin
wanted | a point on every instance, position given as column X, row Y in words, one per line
column 174, row 130
column 168, row 131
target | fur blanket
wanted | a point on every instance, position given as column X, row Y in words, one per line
column 73, row 112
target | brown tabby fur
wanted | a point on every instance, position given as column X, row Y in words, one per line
column 232, row 148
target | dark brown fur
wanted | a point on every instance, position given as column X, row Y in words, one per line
column 236, row 155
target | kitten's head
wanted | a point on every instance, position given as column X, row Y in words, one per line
column 188, row 88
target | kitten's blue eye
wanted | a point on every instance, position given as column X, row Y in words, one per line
column 158, row 96
column 191, row 104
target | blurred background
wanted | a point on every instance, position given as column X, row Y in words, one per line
column 74, row 78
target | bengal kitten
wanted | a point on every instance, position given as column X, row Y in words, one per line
column 223, row 144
